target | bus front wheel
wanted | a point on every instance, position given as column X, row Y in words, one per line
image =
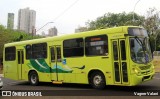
column 97, row 80
column 33, row 78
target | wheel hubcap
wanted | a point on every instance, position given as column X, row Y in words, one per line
column 33, row 78
column 97, row 80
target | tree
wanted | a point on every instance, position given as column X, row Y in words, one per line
column 8, row 36
column 112, row 19
column 152, row 24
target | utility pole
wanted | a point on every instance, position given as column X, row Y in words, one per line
column 43, row 26
column 134, row 9
column 33, row 31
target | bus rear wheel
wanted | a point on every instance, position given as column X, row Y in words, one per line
column 33, row 78
column 97, row 80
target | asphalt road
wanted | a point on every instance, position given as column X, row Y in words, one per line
column 50, row 89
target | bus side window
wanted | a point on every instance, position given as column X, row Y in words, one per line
column 73, row 47
column 10, row 53
column 39, row 51
column 28, row 51
column 96, row 45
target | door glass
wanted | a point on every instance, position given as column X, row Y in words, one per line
column 123, row 50
column 116, row 67
column 22, row 57
column 19, row 57
column 116, row 64
column 52, row 54
column 120, row 64
column 124, row 70
column 115, row 51
column 58, row 54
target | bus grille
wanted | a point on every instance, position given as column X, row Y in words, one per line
column 145, row 73
column 145, row 67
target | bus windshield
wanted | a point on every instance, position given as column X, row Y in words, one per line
column 140, row 46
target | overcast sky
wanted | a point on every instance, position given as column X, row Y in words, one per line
column 76, row 15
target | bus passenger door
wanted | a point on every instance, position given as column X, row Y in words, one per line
column 120, row 61
column 56, row 63
column 20, row 55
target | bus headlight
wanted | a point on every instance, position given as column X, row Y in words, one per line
column 136, row 71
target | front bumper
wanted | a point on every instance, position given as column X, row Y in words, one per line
column 135, row 79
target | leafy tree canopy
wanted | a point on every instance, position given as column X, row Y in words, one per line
column 8, row 36
column 151, row 22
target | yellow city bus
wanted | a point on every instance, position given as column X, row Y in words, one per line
column 113, row 56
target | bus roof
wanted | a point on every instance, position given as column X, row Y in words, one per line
column 121, row 29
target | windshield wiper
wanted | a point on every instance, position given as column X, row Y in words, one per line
column 139, row 41
column 142, row 45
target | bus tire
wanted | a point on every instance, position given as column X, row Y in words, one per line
column 33, row 78
column 97, row 80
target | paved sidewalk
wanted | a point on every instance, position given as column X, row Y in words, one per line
column 1, row 75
